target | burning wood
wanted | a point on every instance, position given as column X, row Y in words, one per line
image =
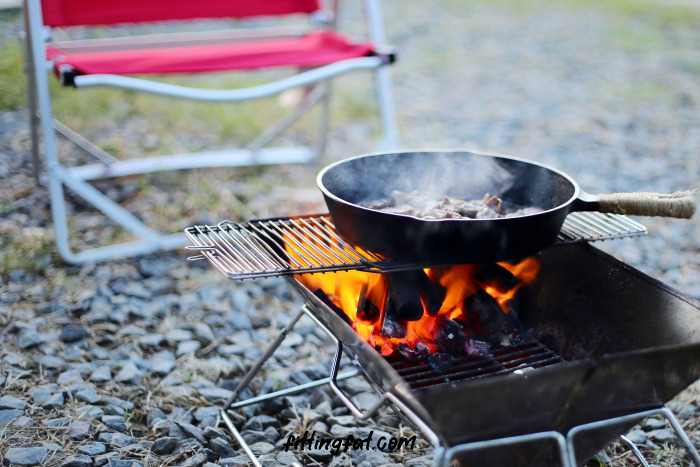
column 485, row 317
column 455, row 310
column 392, row 326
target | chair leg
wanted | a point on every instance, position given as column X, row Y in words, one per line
column 387, row 112
column 32, row 102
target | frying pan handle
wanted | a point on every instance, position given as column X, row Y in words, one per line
column 681, row 204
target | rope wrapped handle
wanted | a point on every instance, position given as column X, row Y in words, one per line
column 681, row 204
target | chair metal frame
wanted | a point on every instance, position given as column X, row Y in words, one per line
column 317, row 80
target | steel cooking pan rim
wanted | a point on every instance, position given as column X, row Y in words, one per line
column 576, row 194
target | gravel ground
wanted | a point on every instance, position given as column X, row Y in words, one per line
column 122, row 363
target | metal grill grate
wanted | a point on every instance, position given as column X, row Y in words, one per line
column 503, row 360
column 310, row 244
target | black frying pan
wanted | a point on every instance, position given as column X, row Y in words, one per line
column 467, row 175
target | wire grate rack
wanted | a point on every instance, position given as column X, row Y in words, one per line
column 310, row 244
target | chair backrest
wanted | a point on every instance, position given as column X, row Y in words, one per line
column 60, row 13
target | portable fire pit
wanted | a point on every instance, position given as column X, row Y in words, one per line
column 537, row 362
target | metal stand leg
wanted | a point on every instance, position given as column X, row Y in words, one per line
column 252, row 372
column 635, row 450
column 664, row 411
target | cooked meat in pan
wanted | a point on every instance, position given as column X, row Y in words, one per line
column 422, row 206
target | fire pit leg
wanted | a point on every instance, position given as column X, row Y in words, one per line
column 261, row 361
column 443, row 457
column 406, row 411
column 664, row 411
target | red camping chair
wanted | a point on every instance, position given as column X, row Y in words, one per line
column 318, row 51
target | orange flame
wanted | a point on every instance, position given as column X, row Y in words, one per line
column 362, row 296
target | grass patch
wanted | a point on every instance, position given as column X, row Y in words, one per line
column 668, row 13
column 13, row 92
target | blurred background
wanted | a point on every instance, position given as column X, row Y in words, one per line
column 608, row 92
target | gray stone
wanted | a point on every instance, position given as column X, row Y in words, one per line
column 129, row 374
column 164, row 445
column 163, row 362
column 119, row 406
column 26, row 456
column 92, row 449
column 41, row 395
column 120, row 439
column 213, row 394
column 56, row 401
column 69, row 377
column 221, row 447
column 136, row 289
column 421, row 461
column 260, row 422
column 194, row 461
column 105, row 458
column 53, row 447
column 237, row 461
column 371, row 456
column 204, row 412
column 320, row 455
column 79, row 429
column 207, row 422
column 239, row 322
column 286, row 458
column 185, row 347
column 637, row 436
column 6, row 416
column 133, row 449
column 180, row 414
column 22, row 422
column 125, row 463
column 152, row 340
column 179, row 335
column 204, row 333
column 664, row 435
column 87, row 393
column 51, row 362
column 345, row 420
column 28, row 338
column 213, row 432
column 73, row 333
column 654, row 424
column 11, row 402
column 193, row 432
column 77, row 461
column 153, row 416
column 131, row 330
column 102, row 374
column 114, row 422
column 55, row 422
column 253, row 436
column 261, row 448
column 89, row 411
column 342, row 460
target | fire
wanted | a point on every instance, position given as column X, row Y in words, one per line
column 460, row 304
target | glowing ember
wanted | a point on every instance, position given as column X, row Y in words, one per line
column 465, row 307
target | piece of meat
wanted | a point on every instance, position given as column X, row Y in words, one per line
column 419, row 205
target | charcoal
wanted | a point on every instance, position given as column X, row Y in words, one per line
column 497, row 277
column 366, row 310
column 329, row 303
column 449, row 336
column 392, row 326
column 418, row 352
column 494, row 325
column 404, row 296
column 441, row 362
column 477, row 348
column 433, row 294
